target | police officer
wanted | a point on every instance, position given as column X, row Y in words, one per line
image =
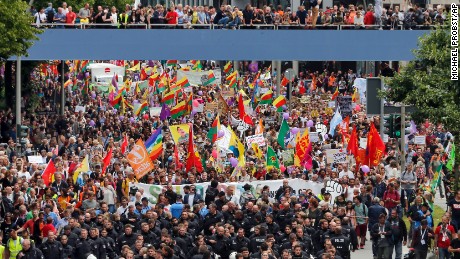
column 341, row 242
column 128, row 238
column 239, row 241
column 51, row 248
column 97, row 244
column 29, row 252
column 82, row 246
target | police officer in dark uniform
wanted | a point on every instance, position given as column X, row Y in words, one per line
column 82, row 246
column 51, row 248
column 239, row 241
column 128, row 238
column 341, row 243
column 109, row 244
column 29, row 252
column 97, row 244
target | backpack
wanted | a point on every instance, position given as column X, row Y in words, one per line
column 211, row 194
column 7, row 206
column 99, row 194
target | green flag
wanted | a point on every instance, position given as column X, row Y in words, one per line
column 272, row 159
column 450, row 163
column 436, row 178
column 282, row 133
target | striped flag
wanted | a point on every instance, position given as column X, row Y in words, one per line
column 154, row 144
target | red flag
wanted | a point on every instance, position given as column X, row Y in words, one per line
column 360, row 158
column 243, row 115
column 106, row 161
column 193, row 159
column 308, row 159
column 176, row 158
column 143, row 75
column 124, row 144
column 375, row 146
column 284, row 82
column 353, row 143
column 335, row 94
column 48, row 172
column 302, row 89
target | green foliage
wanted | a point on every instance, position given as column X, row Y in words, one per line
column 425, row 82
column 77, row 4
column 17, row 34
column 119, row 4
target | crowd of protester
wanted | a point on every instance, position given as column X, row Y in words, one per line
column 102, row 216
column 232, row 17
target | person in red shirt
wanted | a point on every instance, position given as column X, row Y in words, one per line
column 369, row 18
column 171, row 16
column 391, row 197
column 29, row 225
column 48, row 227
column 70, row 17
column 442, row 238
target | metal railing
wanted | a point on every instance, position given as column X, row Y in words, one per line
column 336, row 27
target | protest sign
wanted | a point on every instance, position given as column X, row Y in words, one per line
column 314, row 137
column 155, row 111
column 336, row 156
column 362, row 142
column 196, row 78
column 259, row 139
column 344, row 103
column 79, row 108
column 36, row 160
column 420, row 140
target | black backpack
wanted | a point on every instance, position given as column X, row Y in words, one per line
column 211, row 194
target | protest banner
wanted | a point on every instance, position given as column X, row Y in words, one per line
column 344, row 103
column 227, row 93
column 420, row 140
column 152, row 191
column 155, row 111
column 196, row 78
column 259, row 139
column 336, row 156
column 36, row 160
column 79, row 108
column 314, row 137
column 139, row 160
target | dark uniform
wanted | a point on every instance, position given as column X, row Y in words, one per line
column 32, row 253
column 82, row 249
column 98, row 247
column 342, row 244
column 52, row 250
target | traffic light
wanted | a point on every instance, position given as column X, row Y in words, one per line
column 397, row 126
column 388, row 125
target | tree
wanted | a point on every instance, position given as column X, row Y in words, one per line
column 17, row 34
column 425, row 83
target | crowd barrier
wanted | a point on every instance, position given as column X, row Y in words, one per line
column 336, row 27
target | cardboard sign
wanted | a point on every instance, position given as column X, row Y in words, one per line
column 259, row 139
column 314, row 137
column 345, row 104
column 36, row 160
column 79, row 108
column 420, row 140
column 227, row 93
column 331, row 104
column 155, row 111
column 211, row 107
column 362, row 142
column 336, row 156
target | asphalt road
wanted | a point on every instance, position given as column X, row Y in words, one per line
column 366, row 253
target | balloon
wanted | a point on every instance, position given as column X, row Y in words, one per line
column 295, row 130
column 214, row 154
column 233, row 161
column 282, row 168
column 310, row 123
column 200, row 93
column 358, row 108
column 220, row 133
column 326, row 136
column 92, row 123
column 284, row 107
column 135, row 101
column 132, row 120
column 146, row 116
column 170, row 158
column 195, row 103
column 80, row 76
column 93, row 95
column 286, row 115
column 289, row 169
column 365, row 169
column 86, row 74
column 121, row 117
column 114, row 111
column 193, row 112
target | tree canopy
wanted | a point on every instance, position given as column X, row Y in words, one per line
column 16, row 33
column 77, row 4
column 425, row 82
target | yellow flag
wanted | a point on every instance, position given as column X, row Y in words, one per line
column 257, row 150
column 135, row 68
column 82, row 168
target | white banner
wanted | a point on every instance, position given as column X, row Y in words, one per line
column 152, row 191
column 335, row 156
column 259, row 139
column 199, row 77
column 420, row 140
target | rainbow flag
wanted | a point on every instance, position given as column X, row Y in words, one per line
column 154, row 144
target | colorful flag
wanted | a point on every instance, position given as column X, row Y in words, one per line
column 48, row 173
column 178, row 110
column 183, row 82
column 106, row 161
column 257, row 150
column 168, row 98
column 335, row 121
column 165, row 112
column 233, row 83
column 193, row 158
column 335, row 94
column 301, row 146
column 144, row 75
column 260, row 127
column 284, row 129
column 353, row 143
column 196, row 64
column 355, row 95
column 436, row 178
column 227, row 67
column 233, row 75
column 279, row 102
column 266, row 98
column 243, row 116
column 451, row 162
column 272, row 159
column 124, row 144
column 154, row 145
column 375, row 146
column 68, row 83
column 171, row 63
column 139, row 160
column 211, row 78
column 284, row 82
column 140, row 107
column 83, row 167
column 212, row 133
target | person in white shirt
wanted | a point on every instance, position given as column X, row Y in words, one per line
column 40, row 17
column 65, row 10
column 359, row 20
column 24, row 173
column 346, row 172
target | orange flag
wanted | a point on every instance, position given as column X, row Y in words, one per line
column 48, row 173
column 375, row 146
column 139, row 160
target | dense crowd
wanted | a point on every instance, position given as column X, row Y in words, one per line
column 56, row 209
column 227, row 16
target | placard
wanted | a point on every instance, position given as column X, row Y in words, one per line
column 345, row 104
column 386, row 138
column 211, row 107
column 259, row 139
column 288, row 157
column 155, row 111
column 35, row 159
column 331, row 104
column 420, row 140
column 314, row 137
column 79, row 108
column 336, row 156
column 228, row 93
column 362, row 142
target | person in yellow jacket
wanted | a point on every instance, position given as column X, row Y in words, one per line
column 2, row 247
column 13, row 245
